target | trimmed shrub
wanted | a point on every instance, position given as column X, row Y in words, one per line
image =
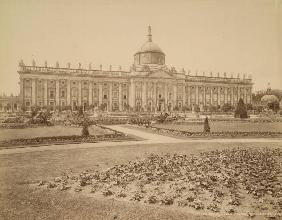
column 241, row 110
column 207, row 128
column 85, row 124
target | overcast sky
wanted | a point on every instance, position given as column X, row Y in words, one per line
column 203, row 35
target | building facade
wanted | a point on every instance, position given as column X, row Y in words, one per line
column 10, row 103
column 149, row 85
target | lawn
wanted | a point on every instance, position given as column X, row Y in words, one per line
column 220, row 126
column 18, row 200
column 48, row 131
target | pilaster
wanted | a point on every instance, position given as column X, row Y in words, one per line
column 57, row 92
column 68, row 93
column 100, row 93
column 197, row 94
column 119, row 97
column 45, row 92
column 79, row 92
column 90, row 93
column 110, row 96
column 218, row 95
column 33, row 92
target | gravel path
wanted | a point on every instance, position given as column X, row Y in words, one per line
column 150, row 138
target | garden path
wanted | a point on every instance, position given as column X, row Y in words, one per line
column 150, row 138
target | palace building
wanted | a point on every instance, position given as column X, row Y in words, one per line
column 149, row 85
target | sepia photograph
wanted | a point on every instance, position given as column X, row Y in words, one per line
column 140, row 109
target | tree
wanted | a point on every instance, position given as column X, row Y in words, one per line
column 207, row 128
column 241, row 110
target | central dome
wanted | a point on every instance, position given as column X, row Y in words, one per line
column 150, row 54
column 150, row 47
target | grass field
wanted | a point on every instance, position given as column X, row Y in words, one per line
column 18, row 200
column 47, row 131
column 218, row 126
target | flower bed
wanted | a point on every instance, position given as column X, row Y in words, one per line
column 19, row 125
column 63, row 140
column 225, row 134
column 228, row 181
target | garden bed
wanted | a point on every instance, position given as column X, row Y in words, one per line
column 231, row 181
column 73, row 139
column 216, row 126
column 199, row 134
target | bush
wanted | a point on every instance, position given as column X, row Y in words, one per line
column 274, row 106
column 206, row 125
column 197, row 108
column 85, row 131
column 226, row 107
column 241, row 110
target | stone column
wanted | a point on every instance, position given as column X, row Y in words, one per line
column 79, row 92
column 174, row 95
column 90, row 93
column 183, row 95
column 189, row 95
column 45, row 92
column 211, row 96
column 197, row 94
column 204, row 95
column 133, row 94
column 232, row 96
column 245, row 96
column 218, row 95
column 57, row 92
column 22, row 89
column 110, row 96
column 144, row 95
column 119, row 97
column 100, row 93
column 165, row 96
column 33, row 92
column 225, row 95
column 154, row 105
column 250, row 94
column 239, row 93
column 68, row 92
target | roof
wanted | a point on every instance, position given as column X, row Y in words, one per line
column 150, row 46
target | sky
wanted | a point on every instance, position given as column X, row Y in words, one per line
column 242, row 36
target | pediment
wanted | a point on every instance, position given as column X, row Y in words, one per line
column 160, row 74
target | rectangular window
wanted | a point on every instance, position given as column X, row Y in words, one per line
column 74, row 92
column 63, row 94
column 52, row 94
column 84, row 92
column 115, row 94
column 27, row 92
column 95, row 93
